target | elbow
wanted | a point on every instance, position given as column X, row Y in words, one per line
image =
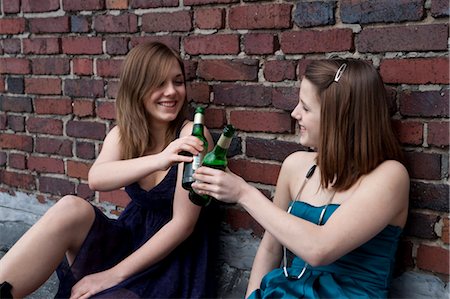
column 319, row 256
column 92, row 182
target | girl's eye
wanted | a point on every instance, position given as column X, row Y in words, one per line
column 179, row 82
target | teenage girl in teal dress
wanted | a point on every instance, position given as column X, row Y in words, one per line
column 339, row 209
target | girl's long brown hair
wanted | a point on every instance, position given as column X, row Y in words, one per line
column 355, row 133
column 144, row 69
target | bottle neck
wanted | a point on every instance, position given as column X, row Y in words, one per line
column 197, row 129
column 223, row 144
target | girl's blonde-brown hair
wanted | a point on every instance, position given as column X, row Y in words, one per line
column 145, row 68
column 355, row 133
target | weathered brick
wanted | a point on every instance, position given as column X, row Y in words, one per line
column 116, row 4
column 11, row 65
column 403, row 38
column 16, row 123
column 17, row 161
column 15, row 104
column 256, row 172
column 50, row 25
column 85, row 150
column 112, row 87
column 424, row 165
column 44, row 125
column 198, row 92
column 238, row 219
column 83, row 66
column 83, row 191
column 167, row 21
column 56, row 186
column 424, row 103
column 228, row 70
column 203, row 2
column 440, row 8
column 108, row 68
column 126, row 23
column 280, row 70
column 211, row 44
column 260, row 43
column 50, row 66
column 364, row 12
column 59, row 106
column 310, row 14
column 84, row 88
column 15, row 85
column 79, row 170
column 19, row 180
column 421, row 225
column 16, row 141
column 42, row 45
column 415, row 70
column 170, row 40
column 285, row 98
column 117, row 45
column 2, row 121
column 80, row 24
column 40, row 5
column 215, row 118
column 242, row 95
column 117, row 197
column 45, row 164
column 153, row 4
column 429, row 196
column 106, row 110
column 12, row 25
column 409, row 132
column 83, row 107
column 438, row 133
column 51, row 146
column 274, row 149
column 11, row 6
column 86, row 129
column 312, row 41
column 263, row 16
column 70, row 5
column 209, row 18
column 262, row 121
column 11, row 45
column 445, row 231
column 82, row 45
column 47, row 86
column 3, row 159
column 432, row 258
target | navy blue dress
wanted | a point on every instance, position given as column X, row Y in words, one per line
column 187, row 272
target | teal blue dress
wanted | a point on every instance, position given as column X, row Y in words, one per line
column 365, row 272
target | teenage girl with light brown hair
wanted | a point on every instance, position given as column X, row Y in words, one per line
column 340, row 209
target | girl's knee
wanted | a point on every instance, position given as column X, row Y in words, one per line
column 73, row 208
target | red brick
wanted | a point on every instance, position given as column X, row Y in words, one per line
column 16, row 141
column 84, row 192
column 117, row 197
column 117, row 45
column 11, row 6
column 80, row 23
column 421, row 225
column 83, row 66
column 256, row 172
column 228, row 70
column 202, row 2
column 215, row 118
column 424, row 103
column 438, row 133
column 83, row 108
column 424, row 165
column 61, row 147
column 116, row 4
column 210, row 18
column 50, row 66
column 198, row 92
column 11, row 46
column 265, row 149
column 112, row 87
column 17, row 161
column 86, row 129
column 45, row 164
column 47, row 86
column 76, row 169
column 14, row 66
column 440, row 8
column 234, row 94
column 190, row 69
column 280, row 70
column 16, row 123
column 56, row 186
column 285, row 98
column 90, row 88
column 432, row 196
column 85, row 150
column 2, row 84
column 41, row 45
column 211, row 44
column 50, row 25
column 238, row 219
column 45, row 126
column 19, row 180
column 316, row 41
column 70, row 5
column 170, row 40
column 108, row 68
column 415, row 70
column 12, row 26
column 106, row 110
column 82, row 45
column 16, row 104
column 3, row 160
column 269, row 16
column 167, row 21
column 153, row 4
column 409, row 132
column 126, row 23
column 403, row 38
column 59, row 106
column 40, row 5
column 445, row 231
column 260, row 43
column 431, row 258
column 262, row 121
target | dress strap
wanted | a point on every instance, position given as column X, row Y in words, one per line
column 309, row 174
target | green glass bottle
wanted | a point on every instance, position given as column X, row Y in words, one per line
column 217, row 158
column 197, row 131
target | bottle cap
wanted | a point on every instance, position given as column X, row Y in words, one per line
column 228, row 131
column 200, row 109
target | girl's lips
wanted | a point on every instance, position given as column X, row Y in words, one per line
column 169, row 104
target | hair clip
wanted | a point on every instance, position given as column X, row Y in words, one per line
column 339, row 72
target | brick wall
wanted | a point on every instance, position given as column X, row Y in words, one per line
column 60, row 61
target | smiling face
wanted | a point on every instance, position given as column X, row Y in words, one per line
column 165, row 101
column 307, row 114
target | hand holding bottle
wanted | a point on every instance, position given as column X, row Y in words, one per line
column 172, row 153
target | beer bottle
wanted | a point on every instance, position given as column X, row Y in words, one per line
column 217, row 158
column 197, row 131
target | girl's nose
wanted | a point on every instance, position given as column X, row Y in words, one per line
column 296, row 112
column 169, row 89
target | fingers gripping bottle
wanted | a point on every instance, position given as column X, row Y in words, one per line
column 217, row 158
column 197, row 131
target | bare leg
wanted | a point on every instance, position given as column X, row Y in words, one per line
column 35, row 256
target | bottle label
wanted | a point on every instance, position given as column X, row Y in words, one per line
column 224, row 142
column 197, row 161
column 198, row 118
